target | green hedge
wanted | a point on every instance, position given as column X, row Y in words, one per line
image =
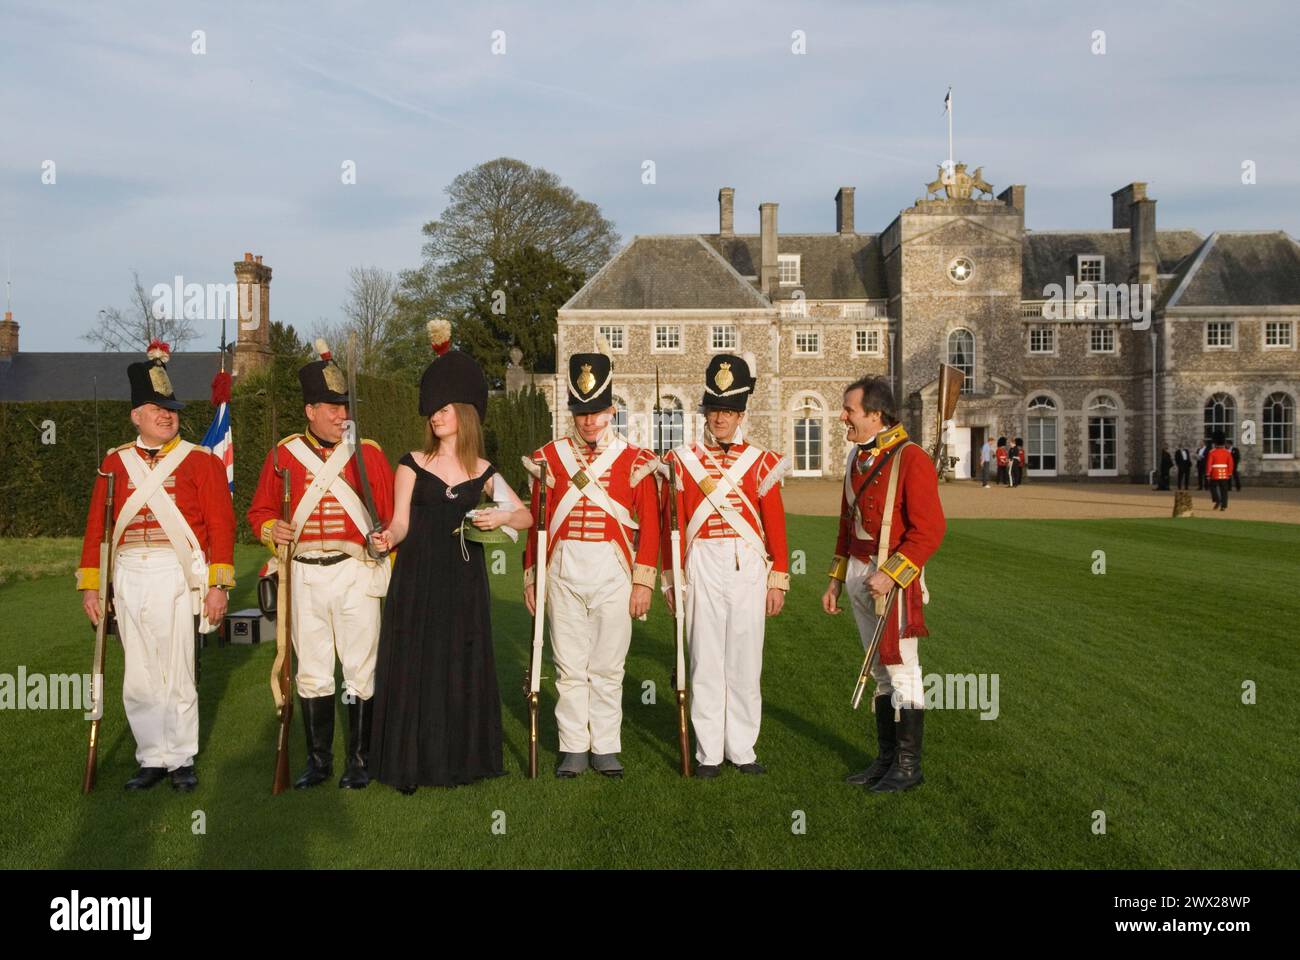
column 44, row 487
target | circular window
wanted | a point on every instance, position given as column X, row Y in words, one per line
column 961, row 269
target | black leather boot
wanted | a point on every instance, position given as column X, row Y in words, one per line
column 906, row 771
column 318, row 721
column 357, row 776
column 886, row 746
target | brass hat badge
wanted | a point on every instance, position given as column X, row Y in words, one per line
column 586, row 380
column 723, row 378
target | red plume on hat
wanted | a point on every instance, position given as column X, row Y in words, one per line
column 439, row 335
column 157, row 350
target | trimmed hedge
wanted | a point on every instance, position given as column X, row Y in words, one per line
column 45, row 486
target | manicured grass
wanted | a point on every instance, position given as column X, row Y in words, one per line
column 43, row 557
column 1119, row 692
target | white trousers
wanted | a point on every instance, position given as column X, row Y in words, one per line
column 900, row 681
column 587, row 596
column 155, row 622
column 332, row 611
column 726, row 602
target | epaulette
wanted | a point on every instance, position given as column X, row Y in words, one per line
column 124, row 446
column 292, row 436
column 776, row 474
column 891, row 437
column 643, row 464
column 535, row 471
column 367, row 440
column 199, row 446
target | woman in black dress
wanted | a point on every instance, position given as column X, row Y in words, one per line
column 437, row 719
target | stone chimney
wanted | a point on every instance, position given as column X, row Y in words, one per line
column 769, row 274
column 1121, row 202
column 1014, row 197
column 253, row 346
column 844, row 210
column 1131, row 209
column 727, row 212
column 8, row 336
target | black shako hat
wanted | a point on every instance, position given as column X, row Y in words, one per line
column 322, row 380
column 454, row 377
column 728, row 382
column 591, row 383
column 149, row 380
column 1219, row 437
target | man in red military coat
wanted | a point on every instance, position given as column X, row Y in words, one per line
column 602, row 521
column 1219, row 467
column 173, row 541
column 891, row 522
column 336, row 585
column 735, row 565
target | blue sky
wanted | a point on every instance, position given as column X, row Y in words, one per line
column 174, row 163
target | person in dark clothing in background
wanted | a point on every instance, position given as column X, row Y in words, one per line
column 1201, row 454
column 1166, row 464
column 1236, row 467
column 1183, row 461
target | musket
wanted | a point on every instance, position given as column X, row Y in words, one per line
column 679, row 597
column 282, row 669
column 950, row 381
column 101, row 633
column 533, row 678
column 366, row 493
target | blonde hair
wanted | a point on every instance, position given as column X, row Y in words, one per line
column 469, row 438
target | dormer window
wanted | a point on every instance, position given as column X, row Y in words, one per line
column 788, row 264
column 1091, row 269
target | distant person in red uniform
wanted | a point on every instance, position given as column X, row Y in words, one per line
column 1218, row 471
column 882, row 545
column 1004, row 462
column 174, row 544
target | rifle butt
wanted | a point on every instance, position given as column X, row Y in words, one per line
column 532, row 736
column 280, row 783
column 683, row 734
column 92, row 759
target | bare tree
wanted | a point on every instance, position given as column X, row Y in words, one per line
column 131, row 329
column 368, row 312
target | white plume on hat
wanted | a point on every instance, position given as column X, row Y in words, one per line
column 323, row 349
column 439, row 334
column 751, row 362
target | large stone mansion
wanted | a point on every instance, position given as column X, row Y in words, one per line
column 1092, row 388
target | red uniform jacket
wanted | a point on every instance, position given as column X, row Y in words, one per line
column 629, row 481
column 198, row 488
column 917, row 529
column 1218, row 464
column 328, row 527
column 761, row 484
column 1004, row 456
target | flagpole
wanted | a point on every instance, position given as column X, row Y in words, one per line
column 951, row 168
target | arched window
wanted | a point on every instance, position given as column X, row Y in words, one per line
column 669, row 424
column 961, row 354
column 1220, row 414
column 808, row 420
column 1279, row 425
column 620, row 416
column 1040, row 442
column 1102, row 437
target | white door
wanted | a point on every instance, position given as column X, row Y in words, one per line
column 959, row 447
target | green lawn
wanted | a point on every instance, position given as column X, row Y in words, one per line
column 1120, row 693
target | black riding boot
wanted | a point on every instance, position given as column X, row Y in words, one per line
column 886, row 744
column 906, row 771
column 357, row 776
column 318, row 722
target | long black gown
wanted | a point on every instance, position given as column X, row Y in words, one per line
column 437, row 708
